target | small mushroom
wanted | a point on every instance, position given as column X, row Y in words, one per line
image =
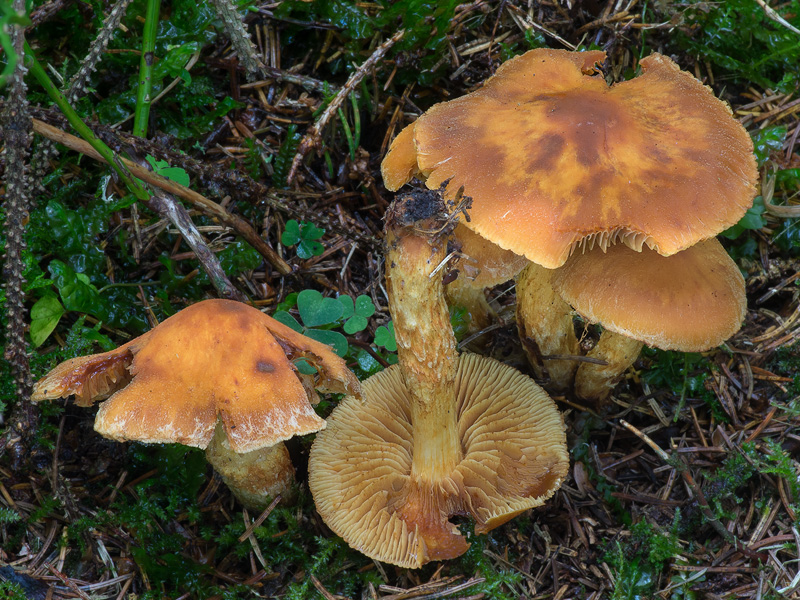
column 217, row 375
column 437, row 435
column 690, row 301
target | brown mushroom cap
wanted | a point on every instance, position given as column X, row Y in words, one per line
column 215, row 359
column 514, row 458
column 690, row 301
column 553, row 157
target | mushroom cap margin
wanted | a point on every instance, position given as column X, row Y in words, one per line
column 217, row 359
column 691, row 301
column 552, row 155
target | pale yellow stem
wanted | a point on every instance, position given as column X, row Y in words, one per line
column 256, row 477
column 426, row 348
column 594, row 381
column 545, row 327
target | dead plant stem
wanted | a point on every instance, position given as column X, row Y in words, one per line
column 312, row 137
column 209, row 207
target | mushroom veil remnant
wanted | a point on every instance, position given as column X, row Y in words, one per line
column 217, row 375
column 439, row 434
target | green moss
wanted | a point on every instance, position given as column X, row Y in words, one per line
column 639, row 559
column 740, row 39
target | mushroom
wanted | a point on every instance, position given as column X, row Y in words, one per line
column 481, row 265
column 217, row 375
column 437, row 435
column 554, row 158
column 546, row 329
column 690, row 301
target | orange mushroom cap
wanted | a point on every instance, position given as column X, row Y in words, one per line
column 553, row 157
column 690, row 301
column 215, row 359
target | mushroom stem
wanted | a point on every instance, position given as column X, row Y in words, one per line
column 256, row 477
column 426, row 346
column 462, row 293
column 544, row 319
column 594, row 381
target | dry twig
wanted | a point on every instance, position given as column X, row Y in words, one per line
column 207, row 206
column 313, row 135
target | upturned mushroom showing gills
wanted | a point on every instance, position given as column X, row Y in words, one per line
column 553, row 157
column 690, row 301
column 439, row 434
column 217, row 375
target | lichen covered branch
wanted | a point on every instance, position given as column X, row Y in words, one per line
column 15, row 120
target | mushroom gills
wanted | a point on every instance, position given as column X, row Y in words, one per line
column 514, row 458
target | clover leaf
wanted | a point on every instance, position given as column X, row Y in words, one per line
column 304, row 235
column 356, row 312
column 317, row 310
column 384, row 337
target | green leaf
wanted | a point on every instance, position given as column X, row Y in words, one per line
column 332, row 338
column 239, row 257
column 76, row 292
column 289, row 303
column 306, row 249
column 45, row 315
column 304, row 235
column 766, row 141
column 367, row 363
column 304, row 367
column 174, row 62
column 316, row 310
column 355, row 324
column 309, row 231
column 459, row 320
column 788, row 179
column 176, row 174
column 284, row 317
column 291, row 233
column 364, row 306
column 349, row 307
column 384, row 337
column 752, row 219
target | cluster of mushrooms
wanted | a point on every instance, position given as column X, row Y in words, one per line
column 599, row 199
